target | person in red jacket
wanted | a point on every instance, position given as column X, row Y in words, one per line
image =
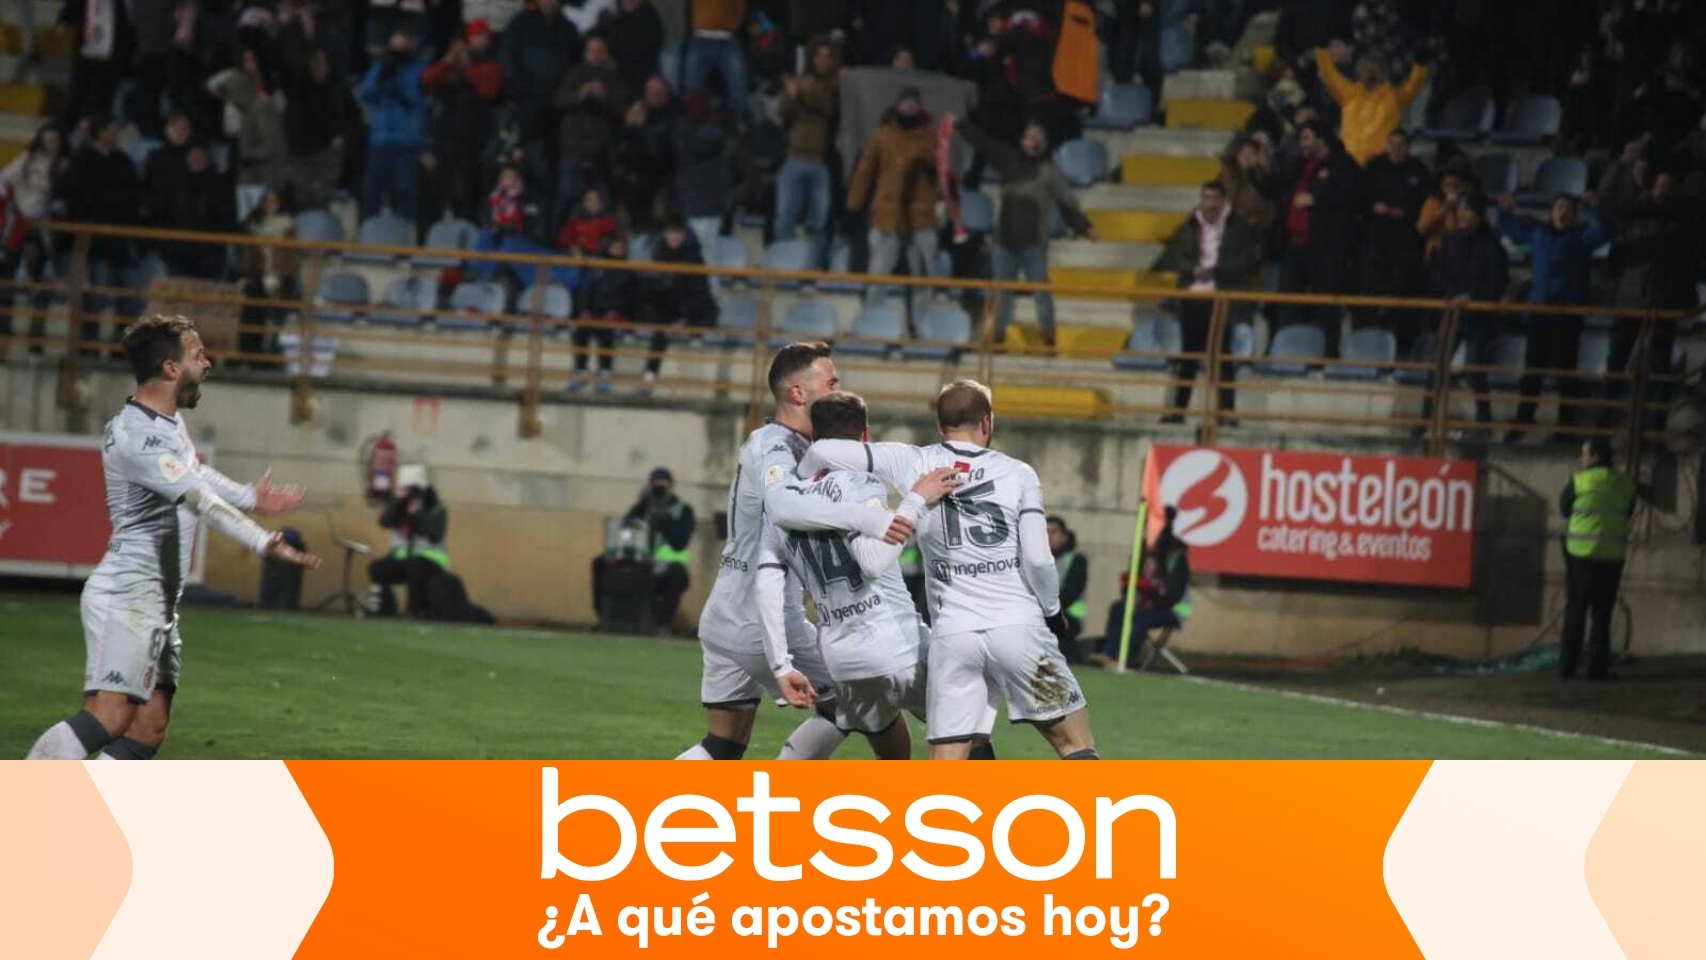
column 583, row 234
column 466, row 84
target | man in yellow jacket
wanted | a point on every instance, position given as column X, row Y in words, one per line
column 1371, row 107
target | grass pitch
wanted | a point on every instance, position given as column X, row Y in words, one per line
column 270, row 686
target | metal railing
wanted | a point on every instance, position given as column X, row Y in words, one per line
column 527, row 347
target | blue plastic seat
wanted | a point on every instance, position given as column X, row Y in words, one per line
column 1083, row 162
column 878, row 327
column 138, row 149
column 1158, row 334
column 382, row 230
column 1292, row 349
column 841, row 261
column 792, row 255
column 1376, row 347
column 407, row 302
column 319, row 225
column 1593, row 354
column 1508, row 352
column 1556, row 175
column 559, row 305
column 808, row 320
column 736, row 320
column 1531, row 120
column 949, row 326
column 977, row 212
column 1121, row 106
column 475, row 298
column 1424, row 351
column 1497, row 173
column 343, row 296
column 730, row 254
column 1468, row 115
column 447, row 234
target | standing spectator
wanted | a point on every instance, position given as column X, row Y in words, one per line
column 397, row 117
column 1656, row 258
column 1372, row 107
column 540, row 45
column 592, row 99
column 1216, row 249
column 645, row 156
column 322, row 123
column 1471, row 266
column 715, row 48
column 253, row 118
column 465, row 85
column 1440, row 208
column 675, row 298
column 1598, row 503
column 1025, row 49
column 808, row 108
column 586, row 14
column 896, row 176
column 32, row 179
column 100, row 186
column 1032, row 189
column 1074, row 570
column 1561, row 256
column 705, row 172
column 202, row 204
column 635, row 34
column 164, row 170
column 1391, row 248
column 1000, row 110
column 156, row 23
column 607, row 296
column 105, row 44
column 13, row 230
column 387, row 18
column 267, row 272
column 1246, row 176
column 1320, row 226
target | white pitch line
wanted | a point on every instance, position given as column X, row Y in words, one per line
column 1430, row 715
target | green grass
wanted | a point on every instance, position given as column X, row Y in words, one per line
column 267, row 686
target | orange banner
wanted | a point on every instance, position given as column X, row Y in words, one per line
column 706, row 859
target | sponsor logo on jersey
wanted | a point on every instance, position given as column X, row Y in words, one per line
column 774, row 474
column 839, row 614
column 172, row 468
column 946, row 572
column 942, row 570
column 733, row 563
column 151, row 442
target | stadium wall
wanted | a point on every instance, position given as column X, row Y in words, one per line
column 527, row 516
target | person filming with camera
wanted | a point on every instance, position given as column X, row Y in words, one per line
column 661, row 525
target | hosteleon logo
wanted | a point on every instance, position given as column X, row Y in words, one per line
column 1211, row 495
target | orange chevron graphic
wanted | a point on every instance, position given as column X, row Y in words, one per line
column 64, row 864
column 1646, row 864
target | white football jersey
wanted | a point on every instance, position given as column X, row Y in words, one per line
column 866, row 627
column 973, row 554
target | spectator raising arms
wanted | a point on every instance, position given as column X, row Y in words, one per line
column 1372, row 107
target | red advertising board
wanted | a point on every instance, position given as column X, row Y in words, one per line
column 53, row 506
column 1319, row 516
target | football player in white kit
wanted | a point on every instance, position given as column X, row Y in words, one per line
column 994, row 592
column 157, row 490
column 736, row 674
column 868, row 627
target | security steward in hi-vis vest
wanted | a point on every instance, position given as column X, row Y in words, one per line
column 1597, row 503
column 1074, row 570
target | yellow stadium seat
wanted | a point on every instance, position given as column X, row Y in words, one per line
column 1226, row 115
column 1055, row 403
column 1154, row 170
column 1135, row 226
column 9, row 150
column 28, row 100
column 1082, row 343
column 1264, row 59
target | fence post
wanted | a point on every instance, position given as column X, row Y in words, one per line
column 302, row 391
column 760, row 356
column 1641, row 358
column 1442, row 379
column 79, row 281
column 986, row 339
column 534, row 379
column 1211, row 372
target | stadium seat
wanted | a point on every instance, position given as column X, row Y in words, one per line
column 138, row 150
column 319, row 226
column 641, row 245
column 1423, row 352
column 1509, row 353
column 977, row 212
column 1378, row 347
column 841, row 261
column 879, row 326
column 1556, row 175
column 1158, row 334
column 735, row 323
column 1121, row 106
column 407, row 302
column 1292, row 349
column 447, row 234
column 559, row 305
column 345, row 293
column 482, row 297
column 1083, row 162
column 1497, row 173
column 807, row 320
column 946, row 324
column 1468, row 115
column 1243, row 342
column 383, row 230
column 1532, row 120
column 794, row 255
column 729, row 253
column 1593, row 355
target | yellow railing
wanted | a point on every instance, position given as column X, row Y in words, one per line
column 1636, row 391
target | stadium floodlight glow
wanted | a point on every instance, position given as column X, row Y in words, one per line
column 761, row 804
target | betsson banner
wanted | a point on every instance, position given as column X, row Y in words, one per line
column 1319, row 516
column 48, row 482
column 266, row 860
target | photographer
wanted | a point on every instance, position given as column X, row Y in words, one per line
column 418, row 521
column 667, row 524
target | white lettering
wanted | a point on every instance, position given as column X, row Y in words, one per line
column 916, row 826
column 1074, row 838
column 658, row 834
column 32, row 485
column 552, row 861
column 761, row 805
column 875, row 842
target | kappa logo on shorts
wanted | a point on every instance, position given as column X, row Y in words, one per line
column 113, row 676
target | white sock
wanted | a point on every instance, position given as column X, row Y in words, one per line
column 695, row 752
column 58, row 743
column 815, row 739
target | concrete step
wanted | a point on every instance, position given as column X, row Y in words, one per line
column 1241, row 83
column 1119, row 196
column 1112, row 277
column 1103, row 254
column 48, row 72
column 1224, row 115
column 1163, row 141
column 1161, row 170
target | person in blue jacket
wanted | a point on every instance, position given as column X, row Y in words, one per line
column 1561, row 256
column 397, row 125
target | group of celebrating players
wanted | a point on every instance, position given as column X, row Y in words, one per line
column 808, row 512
